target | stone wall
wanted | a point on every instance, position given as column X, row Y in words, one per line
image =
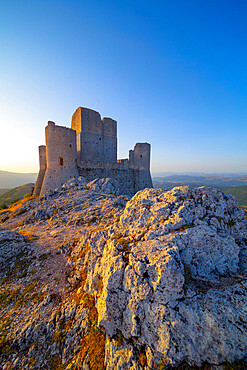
column 140, row 157
column 96, row 138
column 42, row 169
column 60, row 156
column 131, row 181
column 120, row 164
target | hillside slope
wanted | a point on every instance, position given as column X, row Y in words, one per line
column 15, row 193
column 92, row 279
column 240, row 192
column 4, row 190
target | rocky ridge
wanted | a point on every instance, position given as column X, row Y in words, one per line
column 91, row 279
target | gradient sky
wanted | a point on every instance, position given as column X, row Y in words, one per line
column 173, row 73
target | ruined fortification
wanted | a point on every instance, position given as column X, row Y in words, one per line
column 89, row 149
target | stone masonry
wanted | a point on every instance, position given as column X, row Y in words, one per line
column 89, row 149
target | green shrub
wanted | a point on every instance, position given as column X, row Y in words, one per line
column 27, row 195
column 14, row 200
column 3, row 206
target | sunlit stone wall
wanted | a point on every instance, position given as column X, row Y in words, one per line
column 60, row 156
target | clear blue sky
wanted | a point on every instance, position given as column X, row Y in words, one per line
column 173, row 73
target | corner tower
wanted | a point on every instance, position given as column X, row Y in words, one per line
column 42, row 169
column 96, row 138
column 139, row 158
column 60, row 156
column 139, row 162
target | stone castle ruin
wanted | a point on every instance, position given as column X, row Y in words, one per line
column 89, row 149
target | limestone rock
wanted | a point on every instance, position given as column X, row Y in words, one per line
column 165, row 272
column 105, row 185
column 74, row 182
column 12, row 244
column 165, row 246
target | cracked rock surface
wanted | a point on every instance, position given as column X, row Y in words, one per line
column 158, row 280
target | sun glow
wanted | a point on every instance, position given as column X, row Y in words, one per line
column 15, row 150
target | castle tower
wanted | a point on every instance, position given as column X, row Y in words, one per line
column 60, row 156
column 96, row 138
column 139, row 162
column 42, row 169
column 139, row 158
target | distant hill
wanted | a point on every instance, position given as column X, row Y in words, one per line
column 17, row 192
column 240, row 193
column 230, row 185
column 215, row 181
column 201, row 174
column 4, row 190
column 12, row 179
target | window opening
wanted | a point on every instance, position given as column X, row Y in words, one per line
column 61, row 161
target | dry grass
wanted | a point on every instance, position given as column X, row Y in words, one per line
column 142, row 358
column 125, row 248
column 161, row 366
column 8, row 296
column 93, row 343
column 5, row 343
column 28, row 236
column 18, row 204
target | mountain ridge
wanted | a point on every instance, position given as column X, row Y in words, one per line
column 203, row 180
column 14, row 179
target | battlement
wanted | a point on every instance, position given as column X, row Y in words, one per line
column 89, row 148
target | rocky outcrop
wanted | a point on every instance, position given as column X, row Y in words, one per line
column 159, row 279
column 170, row 269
